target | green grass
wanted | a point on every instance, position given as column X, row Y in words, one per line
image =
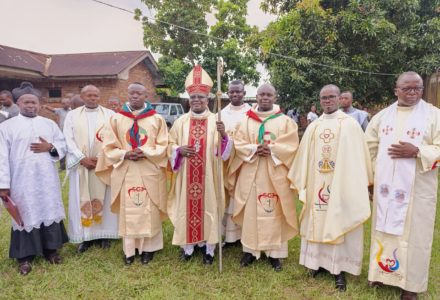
column 101, row 274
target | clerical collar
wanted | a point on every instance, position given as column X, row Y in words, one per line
column 332, row 115
column 240, row 107
column 198, row 114
column 406, row 108
column 87, row 109
column 265, row 112
column 20, row 114
column 132, row 110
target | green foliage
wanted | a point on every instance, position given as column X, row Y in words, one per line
column 167, row 36
column 173, row 70
column 228, row 39
column 372, row 36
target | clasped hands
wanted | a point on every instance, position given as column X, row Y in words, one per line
column 263, row 150
column 135, row 155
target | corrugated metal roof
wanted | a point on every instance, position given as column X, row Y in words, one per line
column 75, row 65
column 93, row 64
column 22, row 59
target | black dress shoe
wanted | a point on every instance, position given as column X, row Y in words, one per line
column 407, row 295
column 276, row 264
column 146, row 257
column 340, row 282
column 105, row 243
column 247, row 259
column 374, row 284
column 207, row 259
column 185, row 257
column 230, row 245
column 83, row 247
column 128, row 260
column 25, row 268
column 314, row 273
column 201, row 249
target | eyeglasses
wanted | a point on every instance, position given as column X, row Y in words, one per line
column 197, row 97
column 410, row 89
column 331, row 97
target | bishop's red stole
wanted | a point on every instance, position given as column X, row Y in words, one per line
column 195, row 177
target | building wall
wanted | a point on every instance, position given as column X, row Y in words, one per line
column 108, row 87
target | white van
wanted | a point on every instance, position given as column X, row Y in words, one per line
column 169, row 111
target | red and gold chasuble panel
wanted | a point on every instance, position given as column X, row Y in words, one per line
column 196, row 181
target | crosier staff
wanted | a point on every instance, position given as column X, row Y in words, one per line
column 219, row 162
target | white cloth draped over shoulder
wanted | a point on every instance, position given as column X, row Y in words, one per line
column 96, row 119
column 32, row 177
column 402, row 259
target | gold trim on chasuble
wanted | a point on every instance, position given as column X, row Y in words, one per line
column 195, row 174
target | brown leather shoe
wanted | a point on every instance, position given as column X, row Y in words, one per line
column 25, row 268
column 54, row 258
column 407, row 295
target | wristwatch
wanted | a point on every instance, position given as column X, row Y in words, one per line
column 53, row 151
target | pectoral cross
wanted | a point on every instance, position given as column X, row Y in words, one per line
column 197, row 146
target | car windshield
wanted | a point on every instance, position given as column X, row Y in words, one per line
column 161, row 109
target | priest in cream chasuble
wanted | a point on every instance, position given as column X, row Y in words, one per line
column 134, row 163
column 332, row 172
column 265, row 143
column 194, row 207
column 90, row 218
column 404, row 141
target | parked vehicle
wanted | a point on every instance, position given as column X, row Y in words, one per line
column 169, row 111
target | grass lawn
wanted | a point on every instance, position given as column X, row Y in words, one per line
column 101, row 274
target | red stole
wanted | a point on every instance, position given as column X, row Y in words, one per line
column 195, row 176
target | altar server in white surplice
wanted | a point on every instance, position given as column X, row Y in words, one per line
column 232, row 115
column 30, row 146
column 404, row 142
column 90, row 218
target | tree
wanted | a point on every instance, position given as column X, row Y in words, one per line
column 172, row 71
column 344, row 42
column 228, row 39
column 167, row 35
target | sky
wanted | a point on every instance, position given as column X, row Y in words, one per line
column 81, row 26
column 73, row 26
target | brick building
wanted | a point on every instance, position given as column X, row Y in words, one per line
column 58, row 75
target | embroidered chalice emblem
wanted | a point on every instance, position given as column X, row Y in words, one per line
column 134, row 193
column 268, row 201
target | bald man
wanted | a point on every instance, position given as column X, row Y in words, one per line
column 404, row 142
column 134, row 163
column 331, row 173
column 265, row 144
column 90, row 218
